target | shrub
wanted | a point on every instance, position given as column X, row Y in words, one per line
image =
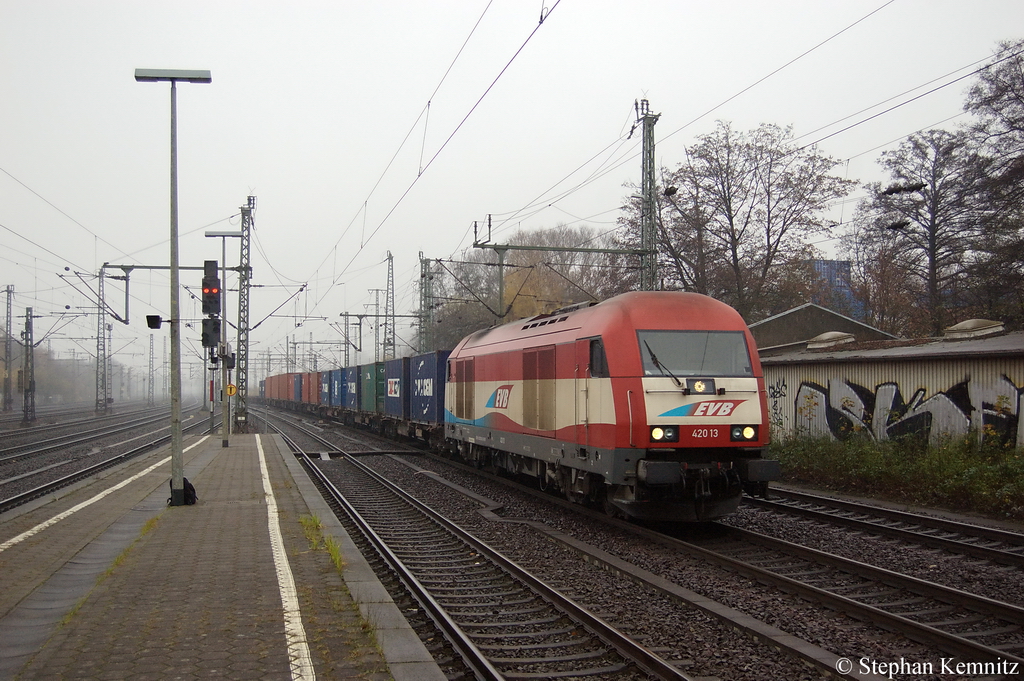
column 956, row 474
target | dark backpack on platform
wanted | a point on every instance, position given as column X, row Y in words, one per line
column 190, row 492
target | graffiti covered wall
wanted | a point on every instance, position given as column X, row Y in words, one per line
column 891, row 400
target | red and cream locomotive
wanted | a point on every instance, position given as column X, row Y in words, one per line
column 649, row 403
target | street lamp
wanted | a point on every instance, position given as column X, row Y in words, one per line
column 225, row 398
column 177, row 455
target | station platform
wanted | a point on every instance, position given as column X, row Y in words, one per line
column 106, row 581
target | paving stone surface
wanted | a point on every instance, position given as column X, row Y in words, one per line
column 194, row 595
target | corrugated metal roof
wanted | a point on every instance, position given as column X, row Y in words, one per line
column 1009, row 344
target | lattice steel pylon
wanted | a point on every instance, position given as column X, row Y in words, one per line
column 389, row 311
column 648, row 192
column 8, row 393
column 29, row 372
column 242, row 349
column 427, row 318
column 152, row 373
column 102, row 384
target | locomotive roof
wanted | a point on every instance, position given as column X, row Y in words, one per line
column 676, row 310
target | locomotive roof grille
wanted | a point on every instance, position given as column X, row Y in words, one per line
column 544, row 322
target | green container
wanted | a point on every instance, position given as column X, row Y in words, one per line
column 372, row 388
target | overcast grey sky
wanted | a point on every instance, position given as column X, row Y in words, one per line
column 320, row 110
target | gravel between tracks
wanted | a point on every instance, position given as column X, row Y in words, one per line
column 674, row 631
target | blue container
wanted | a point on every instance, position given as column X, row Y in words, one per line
column 325, row 388
column 335, row 381
column 350, row 391
column 427, row 375
column 297, row 388
column 396, row 378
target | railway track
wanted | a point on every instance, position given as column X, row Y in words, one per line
column 20, row 497
column 504, row 622
column 977, row 541
column 15, row 419
column 781, row 643
column 966, row 625
column 957, row 623
column 112, row 426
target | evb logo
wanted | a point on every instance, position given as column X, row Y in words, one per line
column 499, row 398
column 705, row 408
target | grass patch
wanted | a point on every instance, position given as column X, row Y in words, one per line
column 334, row 550
column 313, row 528
column 956, row 474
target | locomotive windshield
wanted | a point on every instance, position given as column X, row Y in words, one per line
column 694, row 353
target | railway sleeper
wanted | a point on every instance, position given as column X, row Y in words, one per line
column 587, row 655
column 518, row 623
column 544, row 645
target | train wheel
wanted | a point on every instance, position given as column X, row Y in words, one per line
column 610, row 509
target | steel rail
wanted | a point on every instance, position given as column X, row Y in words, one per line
column 77, row 438
column 916, row 631
column 878, row 526
column 921, row 632
column 629, row 649
column 23, row 497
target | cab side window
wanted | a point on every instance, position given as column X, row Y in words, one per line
column 598, row 359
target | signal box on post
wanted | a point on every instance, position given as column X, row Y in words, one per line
column 211, row 288
column 211, row 332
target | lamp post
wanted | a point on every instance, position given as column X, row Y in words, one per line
column 225, row 398
column 177, row 454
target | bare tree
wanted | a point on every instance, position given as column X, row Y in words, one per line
column 997, row 102
column 929, row 217
column 535, row 281
column 881, row 290
column 737, row 216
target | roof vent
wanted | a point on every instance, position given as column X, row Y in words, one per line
column 829, row 339
column 972, row 328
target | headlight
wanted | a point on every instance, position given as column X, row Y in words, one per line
column 743, row 433
column 664, row 434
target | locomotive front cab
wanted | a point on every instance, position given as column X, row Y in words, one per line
column 703, row 430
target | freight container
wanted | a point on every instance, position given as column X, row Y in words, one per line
column 426, row 382
column 280, row 388
column 350, row 391
column 325, row 389
column 296, row 395
column 371, row 388
column 336, row 385
column 311, row 387
column 396, row 399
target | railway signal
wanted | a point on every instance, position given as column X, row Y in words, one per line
column 211, row 288
column 211, row 332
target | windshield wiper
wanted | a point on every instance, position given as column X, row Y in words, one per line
column 657, row 364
